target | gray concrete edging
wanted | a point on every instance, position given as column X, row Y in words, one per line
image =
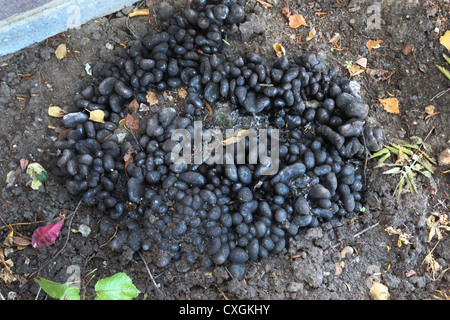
column 24, row 29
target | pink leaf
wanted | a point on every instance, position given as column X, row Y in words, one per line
column 46, row 235
column 23, row 164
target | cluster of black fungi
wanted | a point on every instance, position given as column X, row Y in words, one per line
column 218, row 214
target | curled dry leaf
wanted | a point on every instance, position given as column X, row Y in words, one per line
column 279, row 50
column 264, row 3
column 362, row 62
column 296, row 20
column 379, row 291
column 97, row 116
column 139, row 12
column 311, row 34
column 390, row 105
column 61, row 51
column 335, row 38
column 373, row 44
column 55, row 111
column 151, row 98
column 182, row 93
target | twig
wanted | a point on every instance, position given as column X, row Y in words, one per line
column 423, row 141
column 365, row 230
column 71, row 215
column 440, row 94
column 149, row 272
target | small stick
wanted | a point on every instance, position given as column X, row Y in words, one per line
column 365, row 230
column 423, row 141
column 149, row 272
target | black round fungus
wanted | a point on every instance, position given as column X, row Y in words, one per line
column 210, row 212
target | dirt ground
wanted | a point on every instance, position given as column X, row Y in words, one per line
column 316, row 266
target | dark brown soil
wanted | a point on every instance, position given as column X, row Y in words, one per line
column 312, row 267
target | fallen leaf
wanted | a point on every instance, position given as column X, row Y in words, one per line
column 285, row 11
column 362, row 62
column 355, row 70
column 97, row 116
column 61, row 51
column 131, row 123
column 379, row 291
column 445, row 40
column 46, row 235
column 335, row 38
column 151, row 98
column 296, row 20
column 38, row 174
column 390, row 105
column 129, row 156
column 265, row 3
column 410, row 273
column 408, row 49
column 55, row 111
column 139, row 12
column 23, row 164
column 182, row 93
column 311, row 34
column 373, row 44
column 133, row 106
column 429, row 109
column 279, row 50
column 403, row 237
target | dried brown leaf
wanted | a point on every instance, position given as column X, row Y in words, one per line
column 151, row 98
column 61, row 51
column 390, row 105
column 311, row 34
column 296, row 20
column 373, row 44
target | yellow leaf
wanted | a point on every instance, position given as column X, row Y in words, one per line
column 373, row 44
column 297, row 20
column 151, row 98
column 311, row 34
column 97, row 116
column 279, row 50
column 445, row 39
column 61, row 51
column 265, row 3
column 379, row 290
column 390, row 105
column 139, row 12
column 55, row 111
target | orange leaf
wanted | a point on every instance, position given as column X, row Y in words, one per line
column 129, row 156
column 296, row 21
column 373, row 44
column 390, row 105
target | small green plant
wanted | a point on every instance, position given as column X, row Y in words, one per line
column 117, row 287
column 410, row 161
column 446, row 72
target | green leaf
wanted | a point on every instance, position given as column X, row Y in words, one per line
column 392, row 171
column 447, row 58
column 116, row 287
column 444, row 71
column 60, row 291
column 423, row 163
column 379, row 153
